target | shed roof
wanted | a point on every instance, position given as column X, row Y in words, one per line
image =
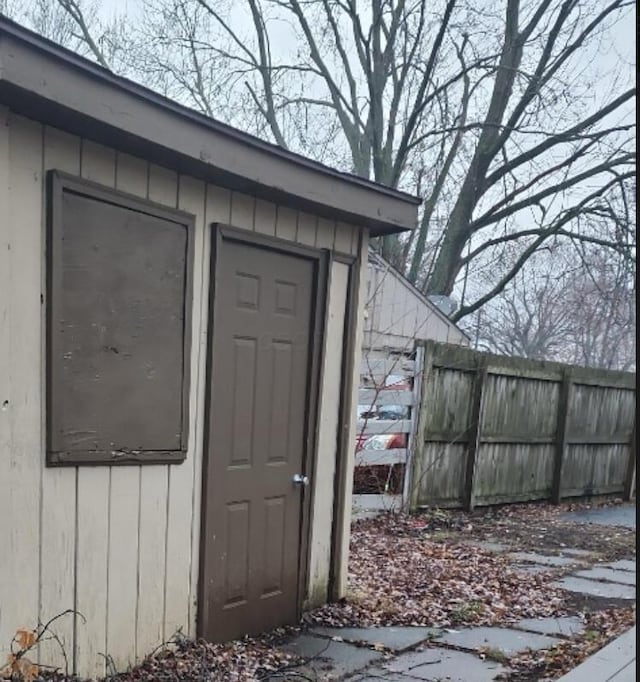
column 49, row 83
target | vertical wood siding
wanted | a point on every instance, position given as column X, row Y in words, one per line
column 59, row 486
column 119, row 544
column 359, row 246
column 323, row 476
column 20, row 434
column 396, row 314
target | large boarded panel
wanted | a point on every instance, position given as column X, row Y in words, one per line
column 119, row 283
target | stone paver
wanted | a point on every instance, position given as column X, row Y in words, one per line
column 623, row 565
column 395, row 638
column 595, row 589
column 531, row 568
column 506, row 640
column 614, row 663
column 609, row 574
column 608, row 516
column 436, row 663
column 542, row 559
column 572, row 551
column 330, row 660
column 377, row 675
column 566, row 626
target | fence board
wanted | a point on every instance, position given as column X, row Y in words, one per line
column 374, row 427
column 376, row 457
column 441, row 475
column 386, row 366
column 376, row 503
column 630, row 476
column 369, row 396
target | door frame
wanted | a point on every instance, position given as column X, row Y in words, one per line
column 321, row 259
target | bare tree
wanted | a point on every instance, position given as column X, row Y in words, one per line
column 563, row 308
column 485, row 112
column 77, row 25
column 491, row 112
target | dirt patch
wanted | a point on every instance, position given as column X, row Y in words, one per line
column 534, row 527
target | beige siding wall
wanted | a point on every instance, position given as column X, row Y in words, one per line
column 119, row 544
column 396, row 315
column 340, row 587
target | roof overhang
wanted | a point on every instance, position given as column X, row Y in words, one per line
column 51, row 84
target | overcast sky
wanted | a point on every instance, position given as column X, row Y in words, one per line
column 624, row 43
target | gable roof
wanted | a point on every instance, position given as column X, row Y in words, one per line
column 51, row 84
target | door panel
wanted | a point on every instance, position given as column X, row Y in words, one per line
column 257, row 421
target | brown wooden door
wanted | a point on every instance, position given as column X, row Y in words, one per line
column 257, row 412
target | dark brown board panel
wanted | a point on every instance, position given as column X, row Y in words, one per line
column 119, row 303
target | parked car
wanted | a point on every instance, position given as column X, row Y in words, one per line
column 393, row 412
column 384, row 441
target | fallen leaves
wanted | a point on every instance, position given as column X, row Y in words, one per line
column 398, row 575
column 18, row 666
column 251, row 658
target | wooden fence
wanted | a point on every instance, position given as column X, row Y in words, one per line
column 387, row 400
column 494, row 429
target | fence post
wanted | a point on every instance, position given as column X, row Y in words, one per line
column 630, row 477
column 412, row 438
column 414, row 473
column 474, row 433
column 562, row 429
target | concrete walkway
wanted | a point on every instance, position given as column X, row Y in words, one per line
column 623, row 515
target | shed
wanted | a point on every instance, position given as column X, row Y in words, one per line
column 180, row 323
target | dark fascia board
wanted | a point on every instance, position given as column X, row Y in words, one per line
column 56, row 86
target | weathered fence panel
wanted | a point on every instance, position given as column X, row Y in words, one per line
column 494, row 429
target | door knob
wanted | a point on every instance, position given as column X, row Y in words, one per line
column 300, row 479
